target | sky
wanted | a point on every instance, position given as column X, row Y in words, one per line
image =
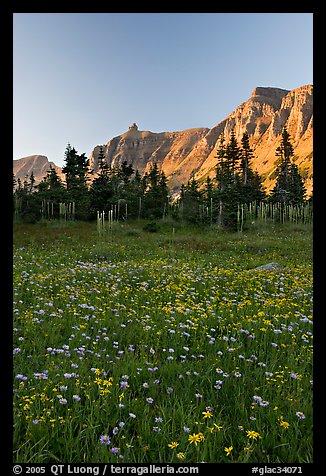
column 84, row 78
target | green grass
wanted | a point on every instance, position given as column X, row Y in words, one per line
column 135, row 334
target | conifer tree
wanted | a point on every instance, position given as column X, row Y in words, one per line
column 191, row 199
column 289, row 186
column 246, row 157
column 102, row 165
column 251, row 186
column 76, row 169
column 156, row 194
column 228, row 180
column 297, row 189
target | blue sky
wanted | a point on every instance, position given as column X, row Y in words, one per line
column 83, row 78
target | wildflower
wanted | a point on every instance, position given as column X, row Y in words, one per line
column 263, row 403
column 186, row 429
column 158, row 420
column 149, row 400
column 300, row 415
column 196, row 438
column 257, row 398
column 123, row 384
column 105, row 439
column 207, row 414
column 228, row 450
column 173, row 444
column 169, row 390
column 63, row 401
column 76, row 397
column 132, row 415
column 145, row 385
column 248, row 449
column 181, row 455
column 253, row 434
column 284, row 424
column 21, row 377
column 215, row 427
column 114, row 450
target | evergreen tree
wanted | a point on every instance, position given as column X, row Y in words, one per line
column 125, row 172
column 297, row 189
column 228, row 181
column 233, row 156
column 289, row 186
column 76, row 169
column 53, row 179
column 102, row 164
column 156, row 194
column 209, row 189
column 251, row 188
column 103, row 190
column 133, row 193
column 191, row 200
column 26, row 204
column 246, row 157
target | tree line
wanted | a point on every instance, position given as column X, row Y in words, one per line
column 126, row 193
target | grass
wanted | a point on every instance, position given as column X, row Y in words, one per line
column 170, row 343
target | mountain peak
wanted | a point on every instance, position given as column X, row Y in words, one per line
column 133, row 127
column 269, row 92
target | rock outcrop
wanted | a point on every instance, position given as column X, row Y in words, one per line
column 192, row 152
column 38, row 164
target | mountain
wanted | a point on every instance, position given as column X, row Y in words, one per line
column 192, row 152
column 38, row 164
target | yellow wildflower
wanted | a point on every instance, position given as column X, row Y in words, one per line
column 284, row 424
column 173, row 444
column 253, row 434
column 194, row 438
column 228, row 450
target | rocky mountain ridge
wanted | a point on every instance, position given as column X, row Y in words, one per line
column 192, row 152
column 38, row 164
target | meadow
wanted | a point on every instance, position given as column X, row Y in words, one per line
column 165, row 347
